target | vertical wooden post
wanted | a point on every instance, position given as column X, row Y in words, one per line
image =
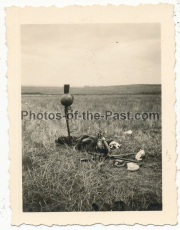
column 66, row 91
column 67, row 122
column 66, row 88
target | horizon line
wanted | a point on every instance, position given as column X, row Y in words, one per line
column 86, row 85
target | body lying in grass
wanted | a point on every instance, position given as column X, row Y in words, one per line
column 92, row 143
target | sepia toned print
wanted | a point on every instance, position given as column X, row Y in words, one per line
column 92, row 117
column 95, row 179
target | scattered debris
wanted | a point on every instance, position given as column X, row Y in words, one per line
column 119, row 163
column 139, row 155
column 132, row 166
column 124, row 159
column 129, row 132
column 102, row 149
column 114, row 145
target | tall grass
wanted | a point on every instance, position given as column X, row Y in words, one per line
column 54, row 178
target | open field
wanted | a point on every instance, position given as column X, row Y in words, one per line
column 118, row 89
column 55, row 180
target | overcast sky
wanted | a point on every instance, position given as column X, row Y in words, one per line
column 90, row 54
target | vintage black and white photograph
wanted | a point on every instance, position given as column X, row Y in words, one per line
column 91, row 117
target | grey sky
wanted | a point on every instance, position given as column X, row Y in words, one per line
column 90, row 54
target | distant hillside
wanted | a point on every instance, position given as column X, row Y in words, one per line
column 119, row 89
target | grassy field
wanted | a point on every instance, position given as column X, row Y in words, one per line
column 55, row 180
column 99, row 90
